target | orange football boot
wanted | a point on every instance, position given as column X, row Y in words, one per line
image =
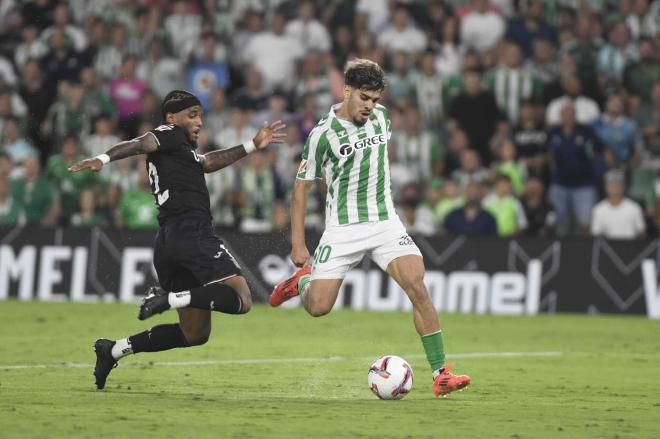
column 288, row 288
column 446, row 382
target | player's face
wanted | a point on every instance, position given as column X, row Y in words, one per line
column 360, row 104
column 190, row 120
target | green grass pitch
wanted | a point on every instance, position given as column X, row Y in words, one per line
column 305, row 377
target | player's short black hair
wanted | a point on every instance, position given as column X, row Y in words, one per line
column 364, row 74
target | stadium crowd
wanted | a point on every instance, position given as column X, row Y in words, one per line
column 510, row 117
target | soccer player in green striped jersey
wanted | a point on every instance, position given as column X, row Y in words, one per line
column 349, row 146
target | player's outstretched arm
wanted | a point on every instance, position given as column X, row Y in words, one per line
column 299, row 252
column 269, row 133
column 144, row 144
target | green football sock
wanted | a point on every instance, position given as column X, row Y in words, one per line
column 303, row 282
column 435, row 349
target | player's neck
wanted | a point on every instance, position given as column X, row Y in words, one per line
column 342, row 112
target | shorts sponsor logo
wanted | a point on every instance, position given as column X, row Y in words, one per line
column 406, row 240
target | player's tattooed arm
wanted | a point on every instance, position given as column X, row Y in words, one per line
column 268, row 134
column 143, row 144
column 215, row 160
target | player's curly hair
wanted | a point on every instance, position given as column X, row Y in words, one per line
column 364, row 74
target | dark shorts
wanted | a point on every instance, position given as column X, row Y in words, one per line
column 188, row 254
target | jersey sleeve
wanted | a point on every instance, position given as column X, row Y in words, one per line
column 313, row 156
column 168, row 137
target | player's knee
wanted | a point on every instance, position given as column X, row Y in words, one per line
column 318, row 311
column 196, row 336
column 416, row 290
column 246, row 304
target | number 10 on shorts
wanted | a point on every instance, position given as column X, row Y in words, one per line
column 322, row 254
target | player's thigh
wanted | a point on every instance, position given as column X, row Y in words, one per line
column 323, row 293
column 392, row 242
column 407, row 271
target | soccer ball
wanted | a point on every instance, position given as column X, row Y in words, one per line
column 390, row 377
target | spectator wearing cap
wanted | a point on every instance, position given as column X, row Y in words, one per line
column 617, row 217
column 402, row 35
column 471, row 219
column 622, row 140
column 573, row 148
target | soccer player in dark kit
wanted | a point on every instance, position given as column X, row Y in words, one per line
column 197, row 274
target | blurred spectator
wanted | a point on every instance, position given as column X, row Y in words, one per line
column 511, row 83
column 448, row 59
column 236, row 132
column 476, row 113
column 506, row 209
column 208, row 71
column 451, row 199
column 617, row 217
column 217, row 116
column 30, row 48
column 573, row 147
column 223, row 196
column 529, row 138
column 252, row 95
column 530, row 27
column 274, row 54
column 186, row 24
column 540, row 214
column 287, row 154
column 7, row 73
column 109, row 58
column 507, row 165
column 62, row 20
column 69, row 185
column 137, row 208
column 67, row 115
column 544, row 63
column 125, row 174
column 648, row 120
column 471, row 219
column 87, row 215
column 261, row 190
column 308, row 30
column 428, row 85
column 102, row 139
column 400, row 78
column 160, row 71
column 372, row 15
column 639, row 77
column 11, row 212
column 62, row 62
column 127, row 93
column 619, row 134
column 96, row 100
column 586, row 109
column 38, row 95
column 643, row 21
column 416, row 219
column 37, row 196
column 614, row 56
column 417, row 149
column 402, row 35
column 470, row 170
column 13, row 144
column 319, row 79
column 481, row 27
column 583, row 48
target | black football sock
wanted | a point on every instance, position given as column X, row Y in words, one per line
column 216, row 297
column 158, row 338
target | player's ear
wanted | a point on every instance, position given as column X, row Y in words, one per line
column 347, row 91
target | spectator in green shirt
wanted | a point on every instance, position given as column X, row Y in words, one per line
column 11, row 213
column 36, row 194
column 507, row 165
column 69, row 185
column 137, row 208
column 87, row 215
column 507, row 210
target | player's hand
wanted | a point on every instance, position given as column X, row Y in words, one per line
column 300, row 255
column 270, row 133
column 93, row 164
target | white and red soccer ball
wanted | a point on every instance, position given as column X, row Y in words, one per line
column 390, row 377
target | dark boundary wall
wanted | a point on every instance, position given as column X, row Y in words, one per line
column 522, row 276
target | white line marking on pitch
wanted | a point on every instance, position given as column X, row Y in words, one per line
column 279, row 360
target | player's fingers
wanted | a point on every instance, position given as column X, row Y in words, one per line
column 276, row 126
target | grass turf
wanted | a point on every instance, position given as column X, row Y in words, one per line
column 606, row 382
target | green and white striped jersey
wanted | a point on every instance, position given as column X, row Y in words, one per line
column 354, row 160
